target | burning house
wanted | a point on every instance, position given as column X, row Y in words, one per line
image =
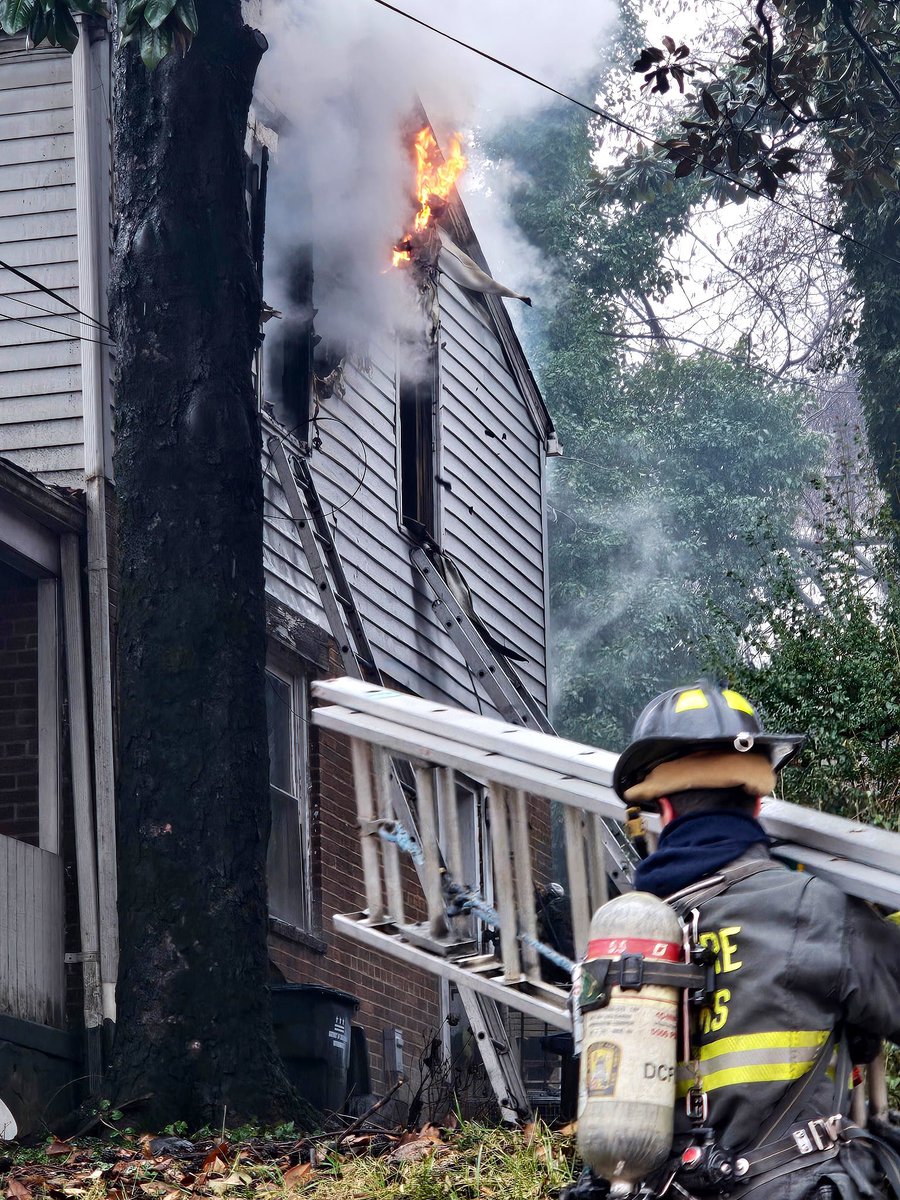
column 419, row 458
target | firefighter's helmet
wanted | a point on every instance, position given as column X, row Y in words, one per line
column 700, row 718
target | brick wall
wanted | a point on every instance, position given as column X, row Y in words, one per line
column 18, row 706
column 390, row 993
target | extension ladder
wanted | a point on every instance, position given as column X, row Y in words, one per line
column 358, row 659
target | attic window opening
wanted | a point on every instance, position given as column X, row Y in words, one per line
column 416, row 401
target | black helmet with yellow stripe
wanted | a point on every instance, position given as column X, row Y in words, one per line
column 718, row 734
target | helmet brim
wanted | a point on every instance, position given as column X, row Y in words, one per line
column 636, row 762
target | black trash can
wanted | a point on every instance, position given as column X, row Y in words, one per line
column 312, row 1032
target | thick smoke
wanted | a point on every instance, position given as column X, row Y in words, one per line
column 346, row 77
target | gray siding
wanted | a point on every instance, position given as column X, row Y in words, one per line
column 40, row 375
column 491, row 458
column 491, row 514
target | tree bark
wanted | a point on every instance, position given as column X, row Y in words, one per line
column 194, row 1027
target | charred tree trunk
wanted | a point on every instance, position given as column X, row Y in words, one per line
column 194, row 1029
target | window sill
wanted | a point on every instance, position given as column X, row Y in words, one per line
column 293, row 933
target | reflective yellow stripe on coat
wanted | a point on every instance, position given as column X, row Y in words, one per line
column 754, row 1058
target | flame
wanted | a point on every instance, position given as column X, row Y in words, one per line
column 435, row 177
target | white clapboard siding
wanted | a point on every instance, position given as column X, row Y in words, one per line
column 40, row 377
column 491, row 512
column 32, row 981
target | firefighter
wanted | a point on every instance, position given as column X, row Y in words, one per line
column 802, row 977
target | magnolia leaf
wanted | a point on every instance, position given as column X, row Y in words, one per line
column 130, row 12
column 155, row 45
column 669, row 43
column 15, row 15
column 156, row 11
column 37, row 29
column 709, row 105
column 186, row 12
column 63, row 31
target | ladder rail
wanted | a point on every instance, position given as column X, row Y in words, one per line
column 509, row 695
column 394, row 779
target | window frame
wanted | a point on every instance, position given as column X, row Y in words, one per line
column 301, row 918
column 428, row 487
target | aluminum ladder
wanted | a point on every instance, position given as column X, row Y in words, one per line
column 358, row 660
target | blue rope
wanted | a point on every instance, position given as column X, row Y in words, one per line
column 393, row 831
column 462, row 899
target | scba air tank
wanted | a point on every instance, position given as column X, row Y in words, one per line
column 626, row 1096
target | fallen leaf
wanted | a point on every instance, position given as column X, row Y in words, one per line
column 569, row 1130
column 217, row 1154
column 528, row 1132
column 17, row 1191
column 58, row 1147
column 154, row 1187
column 235, row 1179
column 413, row 1151
column 295, row 1175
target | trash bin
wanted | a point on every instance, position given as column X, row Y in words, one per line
column 312, row 1032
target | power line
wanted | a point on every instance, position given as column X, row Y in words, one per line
column 57, row 333
column 641, row 133
column 23, row 275
column 49, row 311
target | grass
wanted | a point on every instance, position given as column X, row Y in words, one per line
column 473, row 1162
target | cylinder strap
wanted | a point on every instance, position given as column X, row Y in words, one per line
column 633, row 972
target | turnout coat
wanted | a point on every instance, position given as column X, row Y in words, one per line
column 800, row 969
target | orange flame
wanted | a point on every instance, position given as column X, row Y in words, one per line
column 435, row 177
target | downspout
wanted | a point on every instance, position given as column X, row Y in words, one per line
column 88, row 163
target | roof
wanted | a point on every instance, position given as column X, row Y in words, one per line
column 48, row 506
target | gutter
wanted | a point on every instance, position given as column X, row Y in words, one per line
column 88, row 164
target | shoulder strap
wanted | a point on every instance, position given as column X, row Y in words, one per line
column 705, row 889
column 785, row 1114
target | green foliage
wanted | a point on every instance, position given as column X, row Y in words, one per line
column 876, row 280
column 158, row 26
column 672, row 478
column 672, row 465
column 826, row 66
column 820, row 655
column 47, row 20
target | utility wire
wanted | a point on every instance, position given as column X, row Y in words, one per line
column 50, row 292
column 49, row 311
column 642, row 133
column 55, row 333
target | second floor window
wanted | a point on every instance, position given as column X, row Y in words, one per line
column 416, row 442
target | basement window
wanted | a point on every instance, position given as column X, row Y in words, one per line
column 288, row 856
column 416, row 441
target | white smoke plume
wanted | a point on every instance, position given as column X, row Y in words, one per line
column 346, row 76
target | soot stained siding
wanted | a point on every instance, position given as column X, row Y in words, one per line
column 40, row 375
column 489, row 493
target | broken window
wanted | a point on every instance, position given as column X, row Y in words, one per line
column 287, row 867
column 303, row 370
column 416, row 438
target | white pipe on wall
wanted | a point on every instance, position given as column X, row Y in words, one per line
column 89, row 163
